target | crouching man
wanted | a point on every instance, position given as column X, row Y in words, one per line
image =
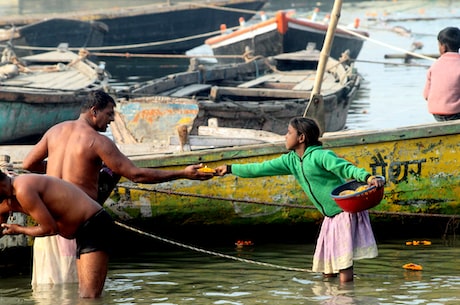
column 59, row 207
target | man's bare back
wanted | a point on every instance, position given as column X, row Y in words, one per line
column 41, row 197
column 81, row 217
column 71, row 150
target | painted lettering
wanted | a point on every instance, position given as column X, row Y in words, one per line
column 396, row 171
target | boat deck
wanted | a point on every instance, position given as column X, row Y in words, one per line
column 48, row 72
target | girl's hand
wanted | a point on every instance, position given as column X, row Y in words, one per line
column 375, row 181
column 221, row 170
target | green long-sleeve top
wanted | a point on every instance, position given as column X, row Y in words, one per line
column 318, row 172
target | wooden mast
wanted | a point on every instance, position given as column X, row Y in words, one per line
column 315, row 107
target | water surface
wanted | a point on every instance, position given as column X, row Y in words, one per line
column 182, row 276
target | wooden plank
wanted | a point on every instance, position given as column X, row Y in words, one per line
column 239, row 133
column 209, row 141
column 217, row 92
column 167, row 83
column 260, row 80
column 306, row 84
column 190, row 90
column 365, row 137
column 292, row 78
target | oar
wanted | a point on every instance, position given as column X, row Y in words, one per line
column 315, row 107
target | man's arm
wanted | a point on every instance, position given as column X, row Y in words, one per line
column 121, row 165
column 4, row 212
column 31, row 204
column 35, row 159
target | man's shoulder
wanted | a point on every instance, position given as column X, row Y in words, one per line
column 69, row 128
column 74, row 139
column 65, row 126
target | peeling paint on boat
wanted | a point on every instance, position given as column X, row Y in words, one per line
column 419, row 163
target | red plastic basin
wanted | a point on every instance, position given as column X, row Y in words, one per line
column 358, row 201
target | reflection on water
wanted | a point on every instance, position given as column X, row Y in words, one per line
column 185, row 277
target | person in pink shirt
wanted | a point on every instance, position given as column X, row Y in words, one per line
column 442, row 87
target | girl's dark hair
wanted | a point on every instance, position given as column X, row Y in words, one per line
column 307, row 127
column 450, row 37
column 98, row 99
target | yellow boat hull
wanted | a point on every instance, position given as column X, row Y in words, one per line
column 419, row 163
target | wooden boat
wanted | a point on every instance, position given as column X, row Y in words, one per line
column 49, row 33
column 418, row 162
column 282, row 34
column 160, row 27
column 41, row 90
column 262, row 94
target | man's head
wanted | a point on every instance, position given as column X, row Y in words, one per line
column 97, row 100
column 99, row 107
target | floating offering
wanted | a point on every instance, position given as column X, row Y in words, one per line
column 412, row 266
column 243, row 243
column 418, row 243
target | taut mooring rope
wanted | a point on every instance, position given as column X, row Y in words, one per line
column 284, row 205
column 210, row 252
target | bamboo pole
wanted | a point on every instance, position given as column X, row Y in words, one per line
column 315, row 107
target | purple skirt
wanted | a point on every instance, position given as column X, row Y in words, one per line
column 342, row 239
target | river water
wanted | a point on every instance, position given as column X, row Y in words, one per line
column 176, row 276
column 219, row 273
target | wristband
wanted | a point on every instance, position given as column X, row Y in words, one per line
column 229, row 168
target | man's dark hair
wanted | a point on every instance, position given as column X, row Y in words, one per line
column 450, row 37
column 98, row 99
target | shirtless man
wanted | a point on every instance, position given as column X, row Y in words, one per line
column 75, row 152
column 81, row 218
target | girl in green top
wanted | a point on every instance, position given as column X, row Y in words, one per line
column 344, row 236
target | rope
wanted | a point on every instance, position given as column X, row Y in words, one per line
column 156, row 43
column 374, row 28
column 389, row 63
column 210, row 252
column 223, row 8
column 284, row 205
column 385, row 44
column 244, row 260
column 128, row 55
column 129, row 46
